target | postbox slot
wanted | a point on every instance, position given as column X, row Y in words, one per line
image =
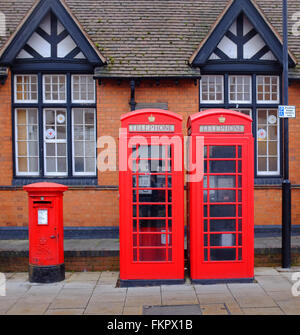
column 42, row 202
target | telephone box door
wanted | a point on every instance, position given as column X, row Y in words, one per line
column 151, row 203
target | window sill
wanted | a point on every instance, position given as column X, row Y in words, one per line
column 88, row 181
column 267, row 181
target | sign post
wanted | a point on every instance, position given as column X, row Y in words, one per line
column 286, row 184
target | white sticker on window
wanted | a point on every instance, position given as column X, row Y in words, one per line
column 50, row 133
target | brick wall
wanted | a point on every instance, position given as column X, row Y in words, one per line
column 99, row 207
column 5, row 134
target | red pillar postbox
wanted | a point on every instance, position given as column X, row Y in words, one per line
column 46, row 234
column 151, row 198
column 221, row 228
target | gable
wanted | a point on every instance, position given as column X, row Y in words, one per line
column 243, row 42
column 50, row 32
column 50, row 40
column 242, row 35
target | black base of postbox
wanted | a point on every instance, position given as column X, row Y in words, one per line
column 46, row 274
column 222, row 281
column 152, row 282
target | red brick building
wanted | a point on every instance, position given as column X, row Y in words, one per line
column 72, row 68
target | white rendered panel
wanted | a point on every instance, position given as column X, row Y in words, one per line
column 247, row 26
column 46, row 24
column 65, row 47
column 40, row 45
column 228, row 47
column 24, row 54
column 268, row 56
column 253, row 46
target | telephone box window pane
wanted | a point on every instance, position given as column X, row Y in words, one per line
column 222, row 211
column 222, row 166
column 152, row 255
column 170, row 225
column 170, row 255
column 134, row 225
column 205, row 226
column 222, row 152
column 240, row 224
column 152, row 240
column 205, row 254
column 135, row 255
column 150, row 196
column 205, row 240
column 134, row 240
column 222, row 181
column 153, row 152
column 223, row 254
column 152, row 211
column 240, row 241
column 205, row 211
column 222, row 240
column 240, row 253
column 152, row 225
column 222, row 225
column 222, row 196
column 155, row 166
column 154, row 181
column 134, row 211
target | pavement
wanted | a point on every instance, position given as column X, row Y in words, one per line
column 95, row 293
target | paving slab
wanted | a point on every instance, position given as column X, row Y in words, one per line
column 100, row 308
column 211, row 289
column 23, row 308
column 141, row 300
column 70, row 311
column 263, row 311
column 273, row 283
column 251, row 295
column 290, row 307
column 265, row 271
column 133, row 310
column 214, row 309
column 71, row 298
column 172, row 310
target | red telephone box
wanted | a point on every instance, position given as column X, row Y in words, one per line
column 46, row 234
column 151, row 198
column 221, row 228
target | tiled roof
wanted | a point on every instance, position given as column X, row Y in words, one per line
column 151, row 38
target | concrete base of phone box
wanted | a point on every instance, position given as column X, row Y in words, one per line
column 152, row 282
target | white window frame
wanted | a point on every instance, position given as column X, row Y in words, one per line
column 20, row 173
column 25, row 101
column 268, row 173
column 229, row 90
column 55, row 141
column 277, row 101
column 94, row 173
column 85, row 100
column 215, row 93
column 44, row 90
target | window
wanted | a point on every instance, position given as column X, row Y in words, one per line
column 267, row 141
column 84, row 142
column 258, row 97
column 54, row 88
column 83, row 89
column 26, row 89
column 55, row 137
column 240, row 89
column 212, row 89
column 267, row 89
column 26, row 133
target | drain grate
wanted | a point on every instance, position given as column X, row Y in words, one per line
column 172, row 310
